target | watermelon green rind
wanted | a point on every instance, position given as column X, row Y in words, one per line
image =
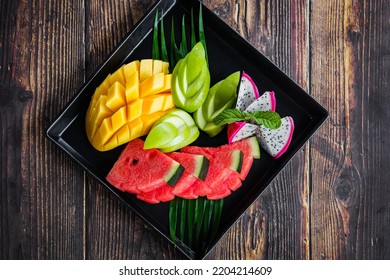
column 174, row 174
column 204, row 168
column 128, row 172
column 237, row 158
column 255, row 147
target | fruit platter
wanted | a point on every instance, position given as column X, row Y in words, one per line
column 186, row 123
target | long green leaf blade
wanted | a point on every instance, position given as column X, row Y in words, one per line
column 164, row 52
column 217, row 213
column 155, row 49
column 193, row 34
column 182, row 218
column 199, row 213
column 202, row 36
column 174, row 49
column 183, row 50
column 173, row 211
column 190, row 220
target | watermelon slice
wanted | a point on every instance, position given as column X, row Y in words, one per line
column 142, row 171
column 161, row 194
column 249, row 147
column 223, row 167
column 190, row 186
column 251, row 150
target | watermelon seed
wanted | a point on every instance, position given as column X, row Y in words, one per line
column 134, row 161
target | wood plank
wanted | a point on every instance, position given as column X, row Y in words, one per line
column 41, row 189
column 350, row 73
column 277, row 224
column 113, row 231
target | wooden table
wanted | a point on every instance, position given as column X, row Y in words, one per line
column 332, row 201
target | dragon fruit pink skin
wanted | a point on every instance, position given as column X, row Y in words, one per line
column 247, row 92
column 240, row 130
column 276, row 141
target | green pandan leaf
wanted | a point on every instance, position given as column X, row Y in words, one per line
column 173, row 213
column 202, row 36
column 164, row 52
column 183, row 45
column 193, row 33
column 155, row 49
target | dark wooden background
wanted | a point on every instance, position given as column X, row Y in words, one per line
column 331, row 202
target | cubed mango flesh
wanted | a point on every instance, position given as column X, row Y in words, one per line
column 128, row 102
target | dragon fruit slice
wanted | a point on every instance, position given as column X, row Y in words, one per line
column 266, row 102
column 276, row 141
column 247, row 92
column 240, row 130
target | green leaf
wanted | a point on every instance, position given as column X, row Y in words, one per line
column 173, row 211
column 183, row 50
column 202, row 36
column 174, row 50
column 193, row 34
column 200, row 207
column 269, row 119
column 190, row 220
column 155, row 49
column 164, row 52
column 229, row 116
column 183, row 208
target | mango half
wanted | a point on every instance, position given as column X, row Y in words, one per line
column 128, row 102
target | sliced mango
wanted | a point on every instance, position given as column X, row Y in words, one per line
column 132, row 87
column 130, row 68
column 128, row 103
column 165, row 66
column 157, row 67
column 117, row 76
column 145, row 69
column 116, row 97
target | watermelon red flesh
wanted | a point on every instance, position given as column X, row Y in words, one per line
column 246, row 146
column 189, row 187
column 184, row 183
column 140, row 171
column 161, row 194
column 219, row 169
column 243, row 145
column 231, row 184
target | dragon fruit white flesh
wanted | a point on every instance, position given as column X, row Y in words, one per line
column 240, row 130
column 247, row 92
column 276, row 141
column 266, row 102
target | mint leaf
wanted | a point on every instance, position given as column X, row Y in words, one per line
column 230, row 116
column 269, row 119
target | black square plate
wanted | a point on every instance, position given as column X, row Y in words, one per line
column 228, row 52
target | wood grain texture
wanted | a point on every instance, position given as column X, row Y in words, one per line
column 350, row 217
column 330, row 202
column 276, row 226
column 41, row 188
